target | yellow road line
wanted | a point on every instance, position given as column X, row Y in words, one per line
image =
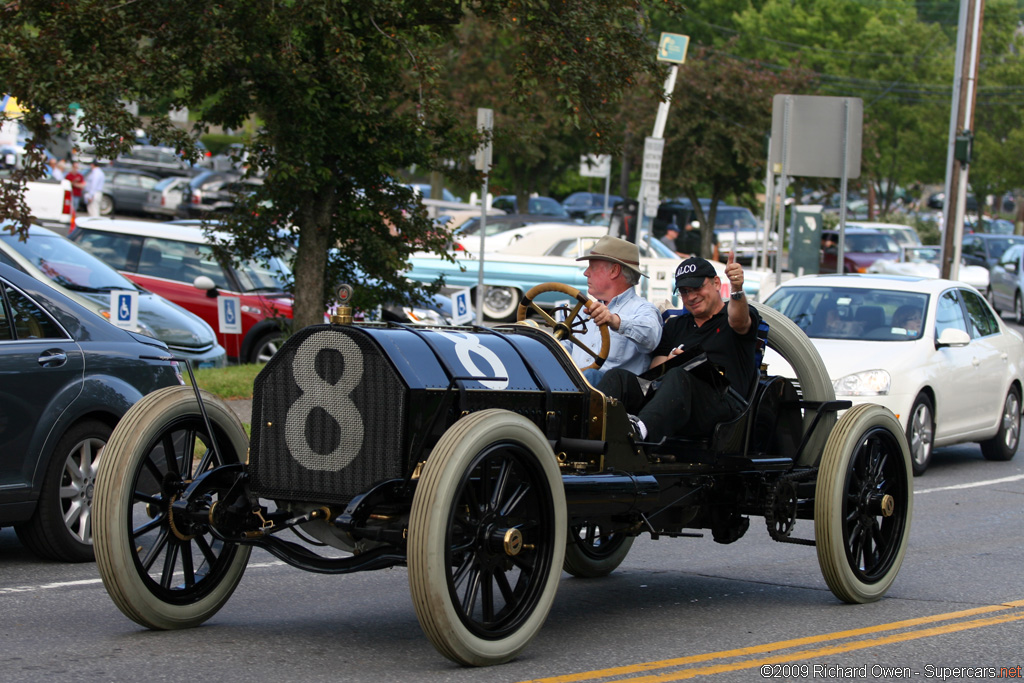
column 797, row 642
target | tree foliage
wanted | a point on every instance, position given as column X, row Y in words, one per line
column 348, row 93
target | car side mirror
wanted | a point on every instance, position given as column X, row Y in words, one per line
column 206, row 284
column 952, row 337
column 1010, row 267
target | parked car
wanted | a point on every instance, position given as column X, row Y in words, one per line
column 213, row 192
column 176, row 261
column 1006, row 282
column 861, row 248
column 926, row 261
column 80, row 275
column 66, row 378
column 905, row 235
column 467, row 236
column 168, row 259
column 954, row 376
column 739, row 231
column 125, row 190
column 984, row 250
column 163, row 161
column 164, row 197
column 579, row 204
column 993, row 226
column 544, row 206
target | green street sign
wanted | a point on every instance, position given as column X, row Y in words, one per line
column 672, row 48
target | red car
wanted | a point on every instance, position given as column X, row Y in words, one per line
column 861, row 248
column 170, row 259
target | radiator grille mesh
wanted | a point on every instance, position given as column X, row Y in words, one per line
column 328, row 415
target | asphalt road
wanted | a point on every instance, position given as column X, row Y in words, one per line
column 675, row 609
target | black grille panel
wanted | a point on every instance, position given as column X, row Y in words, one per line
column 328, row 414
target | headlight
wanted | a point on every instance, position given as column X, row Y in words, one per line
column 425, row 316
column 724, row 244
column 867, row 383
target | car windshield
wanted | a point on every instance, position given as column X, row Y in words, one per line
column 922, row 254
column 824, row 312
column 727, row 220
column 997, row 246
column 67, row 264
column 868, row 243
column 256, row 275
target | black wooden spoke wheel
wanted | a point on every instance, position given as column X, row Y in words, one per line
column 595, row 550
column 863, row 504
column 486, row 538
column 165, row 572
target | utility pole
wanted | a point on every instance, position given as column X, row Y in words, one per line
column 961, row 125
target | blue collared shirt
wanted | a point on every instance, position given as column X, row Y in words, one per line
column 631, row 346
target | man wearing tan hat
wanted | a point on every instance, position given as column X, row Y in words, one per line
column 634, row 323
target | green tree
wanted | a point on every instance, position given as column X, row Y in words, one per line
column 347, row 93
column 717, row 130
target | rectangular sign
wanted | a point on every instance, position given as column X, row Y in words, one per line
column 462, row 311
column 808, row 133
column 672, row 48
column 124, row 308
column 229, row 315
column 653, row 150
column 485, row 124
column 596, row 165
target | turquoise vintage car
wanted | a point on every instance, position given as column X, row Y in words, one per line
column 545, row 254
column 548, row 253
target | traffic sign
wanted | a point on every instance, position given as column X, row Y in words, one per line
column 672, row 48
column 124, row 308
column 653, row 150
column 596, row 165
column 229, row 314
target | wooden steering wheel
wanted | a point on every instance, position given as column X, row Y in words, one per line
column 573, row 321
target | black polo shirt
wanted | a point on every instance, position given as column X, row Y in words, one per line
column 735, row 353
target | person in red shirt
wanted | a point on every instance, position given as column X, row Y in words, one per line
column 77, row 183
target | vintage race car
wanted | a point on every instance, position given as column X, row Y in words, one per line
column 484, row 462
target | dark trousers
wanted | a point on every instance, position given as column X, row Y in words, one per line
column 681, row 406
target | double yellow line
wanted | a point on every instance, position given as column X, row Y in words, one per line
column 677, row 669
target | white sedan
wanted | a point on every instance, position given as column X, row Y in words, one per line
column 932, row 351
column 925, row 261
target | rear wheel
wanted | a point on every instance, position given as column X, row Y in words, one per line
column 594, row 551
column 486, row 538
column 1003, row 446
column 863, row 504
column 921, row 434
column 790, row 342
column 163, row 574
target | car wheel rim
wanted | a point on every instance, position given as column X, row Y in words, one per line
column 1011, row 421
column 920, row 435
column 76, row 488
column 499, row 301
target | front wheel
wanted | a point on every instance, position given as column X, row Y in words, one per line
column 61, row 528
column 265, row 347
column 106, row 205
column 486, row 538
column 863, row 504
column 1003, row 446
column 160, row 574
column 921, row 434
column 1018, row 309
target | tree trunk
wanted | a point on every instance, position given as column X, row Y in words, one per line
column 311, row 260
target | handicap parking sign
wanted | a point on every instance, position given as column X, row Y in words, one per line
column 229, row 315
column 124, row 308
column 461, row 312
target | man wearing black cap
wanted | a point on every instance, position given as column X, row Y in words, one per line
column 685, row 405
column 634, row 323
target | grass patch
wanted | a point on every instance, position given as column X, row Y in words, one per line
column 233, row 381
